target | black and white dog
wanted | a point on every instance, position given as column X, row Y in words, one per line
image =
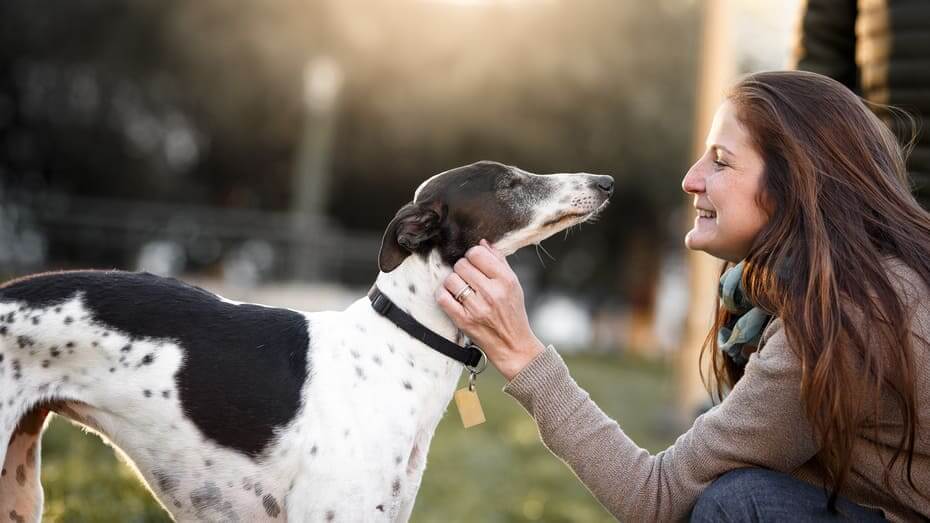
column 241, row 412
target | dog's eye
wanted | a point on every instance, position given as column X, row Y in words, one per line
column 513, row 183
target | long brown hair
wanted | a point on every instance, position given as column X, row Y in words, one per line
column 835, row 185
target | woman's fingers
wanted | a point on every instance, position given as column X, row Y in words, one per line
column 454, row 284
column 494, row 251
column 455, row 310
column 472, row 276
column 485, row 260
column 472, row 303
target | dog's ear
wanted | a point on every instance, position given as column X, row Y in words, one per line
column 412, row 229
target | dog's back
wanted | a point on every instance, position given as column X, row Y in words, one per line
column 209, row 382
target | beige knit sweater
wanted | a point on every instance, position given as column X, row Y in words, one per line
column 760, row 424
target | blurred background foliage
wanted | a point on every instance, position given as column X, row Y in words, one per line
column 203, row 103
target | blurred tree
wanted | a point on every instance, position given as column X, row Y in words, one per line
column 200, row 102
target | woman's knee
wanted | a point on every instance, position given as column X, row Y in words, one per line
column 733, row 494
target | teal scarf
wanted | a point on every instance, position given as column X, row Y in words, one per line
column 746, row 322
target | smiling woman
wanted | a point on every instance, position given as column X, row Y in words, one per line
column 822, row 327
column 726, row 183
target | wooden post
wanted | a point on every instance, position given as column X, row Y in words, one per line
column 716, row 72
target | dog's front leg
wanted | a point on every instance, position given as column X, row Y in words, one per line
column 21, row 496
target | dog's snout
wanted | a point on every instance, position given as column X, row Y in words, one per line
column 606, row 184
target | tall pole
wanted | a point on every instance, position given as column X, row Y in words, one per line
column 311, row 176
column 716, row 72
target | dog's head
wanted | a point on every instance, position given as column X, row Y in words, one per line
column 507, row 206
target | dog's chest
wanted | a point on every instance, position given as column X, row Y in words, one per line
column 363, row 364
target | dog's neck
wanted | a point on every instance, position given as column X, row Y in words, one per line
column 412, row 286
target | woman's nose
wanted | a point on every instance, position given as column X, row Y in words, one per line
column 693, row 182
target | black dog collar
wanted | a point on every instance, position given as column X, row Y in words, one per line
column 470, row 355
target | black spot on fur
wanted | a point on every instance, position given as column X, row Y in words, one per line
column 21, row 475
column 126, row 348
column 271, row 505
column 69, row 320
column 147, row 393
column 45, row 364
column 31, row 456
column 210, row 498
column 55, row 351
column 167, row 483
column 412, row 288
column 313, row 450
column 166, row 394
column 359, row 372
column 17, row 371
column 330, row 515
column 24, row 341
column 380, row 508
column 3, row 330
column 35, row 320
column 395, row 487
column 221, row 365
column 407, row 385
column 70, row 344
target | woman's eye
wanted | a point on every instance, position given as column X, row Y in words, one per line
column 719, row 165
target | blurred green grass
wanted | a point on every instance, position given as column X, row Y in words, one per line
column 495, row 472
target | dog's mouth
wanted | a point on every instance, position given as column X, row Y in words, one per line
column 576, row 216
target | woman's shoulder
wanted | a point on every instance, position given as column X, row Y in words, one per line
column 907, row 282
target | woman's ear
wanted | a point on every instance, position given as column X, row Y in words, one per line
column 412, row 229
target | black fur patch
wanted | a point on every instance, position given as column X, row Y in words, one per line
column 244, row 365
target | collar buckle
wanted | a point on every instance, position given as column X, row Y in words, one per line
column 381, row 304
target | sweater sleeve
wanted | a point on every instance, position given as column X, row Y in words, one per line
column 759, row 424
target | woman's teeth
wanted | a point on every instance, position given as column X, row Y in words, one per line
column 706, row 214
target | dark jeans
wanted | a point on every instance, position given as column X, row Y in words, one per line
column 755, row 494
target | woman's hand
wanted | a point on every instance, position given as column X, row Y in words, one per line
column 494, row 316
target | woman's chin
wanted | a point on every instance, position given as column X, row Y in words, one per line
column 695, row 241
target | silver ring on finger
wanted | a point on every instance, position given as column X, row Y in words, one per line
column 464, row 293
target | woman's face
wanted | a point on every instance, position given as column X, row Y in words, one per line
column 726, row 182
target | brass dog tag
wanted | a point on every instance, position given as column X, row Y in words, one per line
column 466, row 399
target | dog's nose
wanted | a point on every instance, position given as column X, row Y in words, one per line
column 606, row 184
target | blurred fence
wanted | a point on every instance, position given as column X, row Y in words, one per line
column 41, row 230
